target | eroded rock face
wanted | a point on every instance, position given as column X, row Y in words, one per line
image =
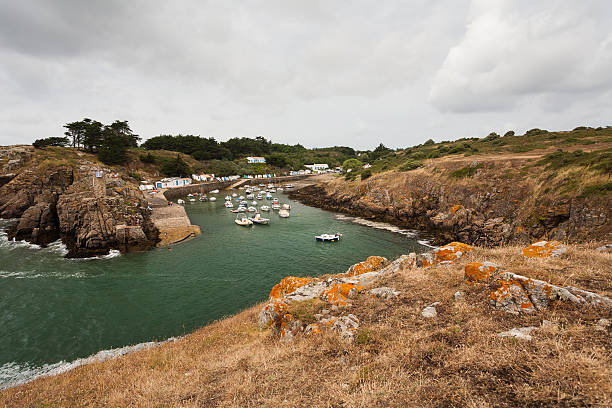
column 544, row 249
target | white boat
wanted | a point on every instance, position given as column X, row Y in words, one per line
column 268, row 196
column 192, row 200
column 252, row 209
column 180, row 201
column 253, row 202
column 265, row 208
column 228, row 198
column 275, row 200
column 250, row 196
column 228, row 204
column 243, row 221
column 272, row 190
column 258, row 220
column 234, row 195
column 203, row 198
column 245, row 203
column 259, row 197
column 289, row 185
column 279, row 189
column 270, row 185
column 241, row 197
column 328, row 237
column 283, row 214
column 286, row 207
column 214, row 192
column 212, row 199
column 189, row 195
column 276, row 206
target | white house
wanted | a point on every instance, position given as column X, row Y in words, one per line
column 320, row 167
column 203, row 177
column 173, row 182
column 254, row 159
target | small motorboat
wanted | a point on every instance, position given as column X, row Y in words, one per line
column 253, row 202
column 241, row 197
column 268, row 196
column 328, row 237
column 283, row 214
column 214, row 192
column 180, row 201
column 279, row 189
column 265, row 208
column 252, row 209
column 234, row 195
column 276, row 206
column 189, row 195
column 203, row 198
column 192, row 199
column 272, row 190
column 245, row 203
column 243, row 221
column 212, row 199
column 258, row 220
column 250, row 196
column 259, row 197
column 228, row 198
column 286, row 207
column 275, row 200
column 289, row 186
column 228, row 204
column 239, row 210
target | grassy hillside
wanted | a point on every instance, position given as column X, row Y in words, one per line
column 399, row 358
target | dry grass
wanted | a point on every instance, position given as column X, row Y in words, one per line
column 400, row 358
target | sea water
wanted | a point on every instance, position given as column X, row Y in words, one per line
column 55, row 313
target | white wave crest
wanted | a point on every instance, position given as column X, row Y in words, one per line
column 35, row 275
column 12, row 374
column 113, row 253
column 376, row 224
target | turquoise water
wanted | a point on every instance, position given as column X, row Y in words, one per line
column 56, row 310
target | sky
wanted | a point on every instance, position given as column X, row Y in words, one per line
column 320, row 73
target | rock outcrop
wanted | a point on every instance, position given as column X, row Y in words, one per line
column 91, row 215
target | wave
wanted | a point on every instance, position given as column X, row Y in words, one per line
column 113, row 253
column 13, row 374
column 35, row 275
column 377, row 225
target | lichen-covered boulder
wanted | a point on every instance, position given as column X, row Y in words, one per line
column 287, row 285
column 272, row 312
column 345, row 325
column 384, row 292
column 339, row 293
column 544, row 249
column 372, row 263
column 444, row 255
column 481, row 271
column 312, row 329
column 288, row 327
column 511, row 297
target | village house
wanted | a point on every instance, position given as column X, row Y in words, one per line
column 203, row 177
column 318, row 167
column 173, row 182
column 255, row 159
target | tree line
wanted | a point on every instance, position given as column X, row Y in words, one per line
column 109, row 142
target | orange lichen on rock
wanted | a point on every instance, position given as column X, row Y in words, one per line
column 477, row 271
column 455, row 208
column 371, row 264
column 544, row 249
column 288, row 285
column 511, row 297
column 312, row 329
column 340, row 293
column 451, row 252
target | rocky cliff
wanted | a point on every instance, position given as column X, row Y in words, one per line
column 62, row 199
column 502, row 201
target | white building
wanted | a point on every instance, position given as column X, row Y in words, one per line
column 173, row 182
column 254, row 159
column 319, row 167
column 203, row 177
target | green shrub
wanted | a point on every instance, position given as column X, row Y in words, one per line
column 429, row 142
column 597, row 189
column 410, row 165
column 147, row 158
column 366, row 174
column 135, row 175
column 465, row 172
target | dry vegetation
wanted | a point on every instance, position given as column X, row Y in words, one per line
column 399, row 359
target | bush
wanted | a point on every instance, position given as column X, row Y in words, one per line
column 410, row 165
column 509, row 133
column 429, row 142
column 147, row 158
column 135, row 175
column 352, row 164
column 465, row 172
column 366, row 174
column 597, row 189
column 175, row 167
column 50, row 141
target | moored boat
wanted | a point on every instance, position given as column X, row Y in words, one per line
column 328, row 237
column 265, row 208
column 283, row 214
column 214, row 192
column 257, row 219
column 228, row 204
column 243, row 221
column 212, row 199
column 180, row 201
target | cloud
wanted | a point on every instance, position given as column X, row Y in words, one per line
column 509, row 53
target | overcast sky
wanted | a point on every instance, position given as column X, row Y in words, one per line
column 319, row 73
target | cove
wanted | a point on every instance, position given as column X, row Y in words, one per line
column 54, row 309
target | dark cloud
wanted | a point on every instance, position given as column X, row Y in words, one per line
column 314, row 72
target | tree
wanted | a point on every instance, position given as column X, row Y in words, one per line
column 113, row 149
column 76, row 131
column 175, row 167
column 93, row 135
column 277, row 160
column 351, row 164
column 380, row 151
column 509, row 133
column 429, row 142
column 51, row 141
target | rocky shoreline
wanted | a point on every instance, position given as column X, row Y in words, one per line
column 484, row 212
column 91, row 215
